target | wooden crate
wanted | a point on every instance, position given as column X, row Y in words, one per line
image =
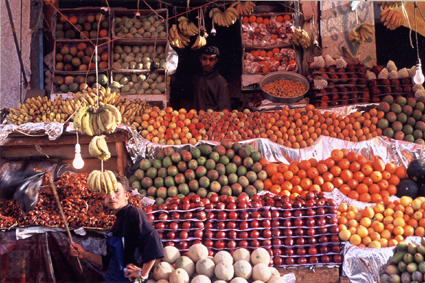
column 318, row 274
column 143, row 13
column 86, row 11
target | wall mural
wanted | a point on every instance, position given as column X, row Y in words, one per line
column 337, row 19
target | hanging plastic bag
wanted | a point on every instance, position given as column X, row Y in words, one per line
column 22, row 187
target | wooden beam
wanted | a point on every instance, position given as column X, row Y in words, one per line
column 120, row 153
column 64, row 139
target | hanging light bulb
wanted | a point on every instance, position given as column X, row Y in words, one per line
column 419, row 76
column 78, row 162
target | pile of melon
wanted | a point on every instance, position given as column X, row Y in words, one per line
column 198, row 267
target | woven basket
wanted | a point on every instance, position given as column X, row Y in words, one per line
column 320, row 84
column 340, row 63
column 383, row 74
column 319, row 62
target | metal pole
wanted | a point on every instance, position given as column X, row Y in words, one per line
column 16, row 43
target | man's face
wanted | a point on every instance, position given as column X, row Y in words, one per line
column 117, row 199
column 208, row 62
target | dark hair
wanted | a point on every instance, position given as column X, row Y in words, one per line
column 124, row 181
column 210, row 50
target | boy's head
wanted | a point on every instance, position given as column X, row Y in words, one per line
column 208, row 58
column 119, row 198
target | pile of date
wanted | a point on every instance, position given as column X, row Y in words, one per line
column 81, row 206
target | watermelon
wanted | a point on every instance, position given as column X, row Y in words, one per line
column 416, row 171
column 408, row 188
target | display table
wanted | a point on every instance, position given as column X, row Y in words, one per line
column 19, row 146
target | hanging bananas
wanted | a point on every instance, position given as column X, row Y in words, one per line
column 301, row 38
column 244, row 8
column 177, row 39
column 200, row 42
column 226, row 18
column 104, row 120
column 389, row 4
column 102, row 182
column 361, row 33
column 187, row 27
column 99, row 148
column 392, row 19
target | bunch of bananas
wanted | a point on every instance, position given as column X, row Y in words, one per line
column 89, row 97
column 199, row 43
column 389, row 4
column 102, row 182
column 301, row 38
column 99, row 148
column 226, row 18
column 131, row 109
column 187, row 27
column 361, row 33
column 244, row 8
column 177, row 39
column 392, row 19
column 103, row 120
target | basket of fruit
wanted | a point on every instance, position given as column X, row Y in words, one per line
column 284, row 87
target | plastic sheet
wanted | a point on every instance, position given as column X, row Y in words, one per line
column 365, row 265
column 53, row 130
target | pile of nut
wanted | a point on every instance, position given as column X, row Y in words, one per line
column 81, row 206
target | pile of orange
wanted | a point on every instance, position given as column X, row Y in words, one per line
column 354, row 175
column 270, row 59
column 383, row 225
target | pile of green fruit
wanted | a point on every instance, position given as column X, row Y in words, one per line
column 408, row 264
column 138, row 57
column 78, row 83
column 78, row 57
column 226, row 169
column 145, row 27
column 404, row 118
column 139, row 83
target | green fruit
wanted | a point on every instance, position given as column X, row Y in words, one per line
column 402, row 118
column 200, row 171
column 162, row 192
column 401, row 101
column 64, row 88
column 196, row 153
column 201, row 161
column 151, row 191
column 383, row 123
column 237, row 160
column 420, row 106
column 152, row 173
column 193, row 164
column 396, row 108
column 223, row 180
column 397, row 126
column 182, row 166
column 402, row 266
column 236, row 146
column 214, row 156
column 259, row 185
column 420, row 141
column 409, row 138
column 210, row 164
column 417, row 115
column 421, row 249
column 420, row 126
column 411, row 121
column 223, row 160
column 407, row 130
column 205, row 149
column 162, row 172
column 142, row 192
column 169, row 182
column 176, row 157
column 145, row 164
column 243, row 181
column 408, row 258
column 160, row 155
column 179, row 179
column 159, row 201
column 384, row 107
column 231, row 168
column 158, row 182
column 392, row 269
column 411, row 248
column 172, row 191
column 391, row 117
column 189, row 174
column 412, row 267
column 419, row 258
column 417, row 277
column 395, row 278
column 103, row 79
column 399, row 136
column 136, row 185
column 220, row 168
column 402, row 246
column 221, row 150
column 421, row 267
column 193, row 185
column 406, row 277
column 133, row 178
column 252, row 176
column 241, row 171
column 232, row 178
column 250, row 190
column 244, row 152
column 215, row 186
column 417, row 134
column 230, row 153
column 184, row 189
column 139, row 174
column 226, row 191
column 236, row 189
column 248, row 162
column 398, row 256
column 227, row 143
column 212, row 175
column 256, row 156
column 172, row 171
column 202, row 192
column 388, row 98
column 146, row 182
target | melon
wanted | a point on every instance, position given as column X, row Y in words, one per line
column 242, row 269
column 276, row 280
column 179, row 275
column 224, row 271
column 223, row 256
column 171, row 254
column 274, row 272
column 238, row 280
column 186, row 263
column 200, row 279
column 161, row 281
column 260, row 255
column 261, row 272
column 163, row 271
column 408, row 188
column 205, row 266
column 198, row 251
column 257, row 281
column 154, row 281
column 219, row 281
column 241, row 254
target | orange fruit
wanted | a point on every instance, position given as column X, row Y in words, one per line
column 259, row 20
column 368, row 212
column 379, row 227
column 355, row 240
column 312, row 173
column 405, row 201
column 420, row 231
column 355, row 167
column 286, row 17
column 398, row 230
column 378, row 165
column 328, row 187
column 305, row 165
column 337, row 182
column 394, row 180
column 336, row 170
column 401, row 172
column 386, row 234
column 376, row 176
column 343, row 207
column 266, row 22
column 344, row 235
column 345, row 189
column 296, row 180
column 366, row 222
column 376, row 198
column 282, row 168
column 392, row 243
column 359, row 176
column 268, row 184
column 352, row 156
column 374, row 189
column 383, row 242
column 365, row 197
column 277, row 178
column 263, row 161
column 367, row 169
column 276, row 189
column 288, row 175
column 366, row 240
column 408, row 231
column 279, row 19
column 337, row 155
column 346, row 175
column 353, row 195
column 245, row 20
column 374, row 244
column 362, row 188
column 252, row 19
column 379, row 208
column 399, row 222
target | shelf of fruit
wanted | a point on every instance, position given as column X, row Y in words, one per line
column 264, row 61
column 136, row 83
column 272, row 30
column 89, row 21
column 68, row 83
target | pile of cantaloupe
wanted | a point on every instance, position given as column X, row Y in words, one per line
column 198, row 267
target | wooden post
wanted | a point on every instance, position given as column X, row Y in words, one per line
column 120, row 153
